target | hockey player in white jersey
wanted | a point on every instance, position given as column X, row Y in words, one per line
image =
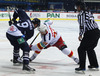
column 51, row 38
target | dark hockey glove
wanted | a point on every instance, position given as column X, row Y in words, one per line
column 10, row 23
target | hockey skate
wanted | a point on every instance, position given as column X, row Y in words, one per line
column 80, row 70
column 76, row 60
column 17, row 62
column 92, row 68
column 32, row 58
column 28, row 69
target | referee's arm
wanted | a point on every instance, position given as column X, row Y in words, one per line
column 81, row 20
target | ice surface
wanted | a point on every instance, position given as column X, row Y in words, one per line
column 50, row 62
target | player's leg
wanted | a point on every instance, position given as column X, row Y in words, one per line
column 37, row 49
column 16, row 56
column 62, row 46
column 34, row 55
column 70, row 54
column 25, row 47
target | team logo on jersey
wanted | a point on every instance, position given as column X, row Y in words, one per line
column 12, row 29
column 20, row 40
column 45, row 43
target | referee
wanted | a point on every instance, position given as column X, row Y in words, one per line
column 89, row 35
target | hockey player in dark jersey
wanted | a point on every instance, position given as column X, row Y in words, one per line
column 18, row 34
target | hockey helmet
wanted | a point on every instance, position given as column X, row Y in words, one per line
column 81, row 4
column 49, row 22
column 36, row 21
column 42, row 28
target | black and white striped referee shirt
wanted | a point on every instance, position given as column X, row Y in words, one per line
column 86, row 22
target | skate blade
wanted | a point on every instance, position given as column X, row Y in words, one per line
column 17, row 64
column 28, row 72
column 94, row 69
column 80, row 72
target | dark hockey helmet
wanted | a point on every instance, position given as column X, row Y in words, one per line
column 81, row 4
column 36, row 21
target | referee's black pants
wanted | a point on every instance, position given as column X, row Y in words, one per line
column 87, row 45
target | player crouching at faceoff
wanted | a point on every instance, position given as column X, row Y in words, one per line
column 18, row 34
column 51, row 38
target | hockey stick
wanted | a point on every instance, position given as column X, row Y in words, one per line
column 8, row 9
column 32, row 41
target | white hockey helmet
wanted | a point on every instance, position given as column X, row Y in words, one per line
column 49, row 22
column 42, row 29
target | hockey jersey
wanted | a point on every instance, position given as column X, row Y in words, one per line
column 52, row 36
column 48, row 39
column 23, row 26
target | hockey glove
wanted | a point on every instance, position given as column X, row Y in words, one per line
column 10, row 23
